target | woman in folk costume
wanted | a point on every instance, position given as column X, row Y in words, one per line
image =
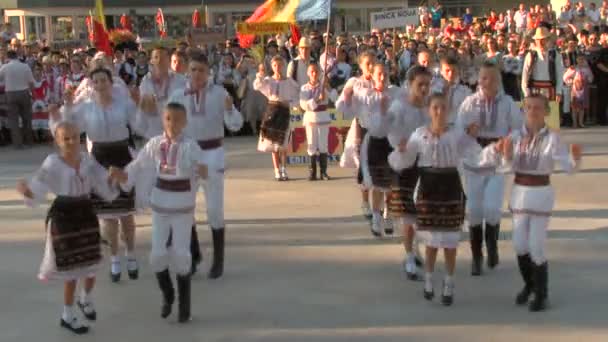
column 227, row 75
column 86, row 88
column 351, row 108
column 177, row 163
column 375, row 147
column 440, row 203
column 314, row 98
column 281, row 93
column 210, row 108
column 407, row 112
column 72, row 249
column 531, row 152
column 104, row 118
column 496, row 114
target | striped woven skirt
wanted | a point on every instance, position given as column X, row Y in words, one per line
column 401, row 197
column 440, row 201
column 380, row 171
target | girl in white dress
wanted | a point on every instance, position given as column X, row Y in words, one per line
column 440, row 200
column 71, row 176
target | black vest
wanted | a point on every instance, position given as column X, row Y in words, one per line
column 552, row 68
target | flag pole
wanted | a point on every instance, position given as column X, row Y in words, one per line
column 326, row 45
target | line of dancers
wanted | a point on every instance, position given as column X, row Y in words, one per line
column 412, row 147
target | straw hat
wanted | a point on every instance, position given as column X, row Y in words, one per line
column 304, row 42
column 542, row 33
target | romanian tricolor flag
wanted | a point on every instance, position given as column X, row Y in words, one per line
column 101, row 39
column 291, row 12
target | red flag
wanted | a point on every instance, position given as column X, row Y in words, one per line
column 261, row 13
column 125, row 22
column 196, row 19
column 160, row 22
column 102, row 39
column 295, row 34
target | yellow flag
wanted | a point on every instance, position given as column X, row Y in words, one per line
column 99, row 13
column 287, row 14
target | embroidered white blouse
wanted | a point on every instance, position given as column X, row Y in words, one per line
column 168, row 160
column 60, row 179
column 308, row 102
column 102, row 124
column 150, row 124
column 286, row 91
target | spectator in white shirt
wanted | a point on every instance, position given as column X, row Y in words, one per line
column 593, row 14
column 18, row 80
column 520, row 19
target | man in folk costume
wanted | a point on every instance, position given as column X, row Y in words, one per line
column 209, row 108
column 543, row 68
column 496, row 114
column 297, row 69
column 154, row 92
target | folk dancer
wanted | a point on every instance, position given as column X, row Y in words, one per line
column 104, row 118
column 314, row 99
column 350, row 107
column 281, row 93
column 177, row 162
column 209, row 109
column 531, row 152
column 496, row 114
column 407, row 113
column 438, row 150
column 72, row 250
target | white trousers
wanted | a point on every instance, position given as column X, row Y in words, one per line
column 317, row 137
column 213, row 188
column 180, row 225
column 484, row 197
column 529, row 236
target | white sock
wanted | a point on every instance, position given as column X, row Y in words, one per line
column 428, row 282
column 376, row 215
column 411, row 257
column 68, row 313
column 86, row 297
column 115, row 265
column 448, row 279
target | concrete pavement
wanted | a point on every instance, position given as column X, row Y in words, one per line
column 302, row 266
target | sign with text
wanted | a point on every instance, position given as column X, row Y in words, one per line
column 297, row 151
column 395, row 18
column 261, row 28
column 207, row 35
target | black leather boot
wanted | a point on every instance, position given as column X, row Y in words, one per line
column 217, row 269
column 195, row 250
column 492, row 244
column 166, row 287
column 540, row 278
column 183, row 292
column 525, row 268
column 312, row 169
column 323, row 164
column 476, row 238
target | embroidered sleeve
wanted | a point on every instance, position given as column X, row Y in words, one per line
column 560, row 153
column 401, row 160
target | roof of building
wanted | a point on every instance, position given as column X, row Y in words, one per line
column 13, row 4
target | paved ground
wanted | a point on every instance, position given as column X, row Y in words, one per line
column 301, row 266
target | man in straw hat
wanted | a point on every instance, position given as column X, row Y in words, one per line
column 543, row 68
column 298, row 68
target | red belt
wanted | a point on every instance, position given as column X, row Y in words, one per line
column 321, row 108
column 175, row 185
column 486, row 141
column 211, row 144
column 532, row 180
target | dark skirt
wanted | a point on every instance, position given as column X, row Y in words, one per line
column 380, row 171
column 440, row 202
column 74, row 233
column 360, row 171
column 275, row 124
column 115, row 154
column 401, row 197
